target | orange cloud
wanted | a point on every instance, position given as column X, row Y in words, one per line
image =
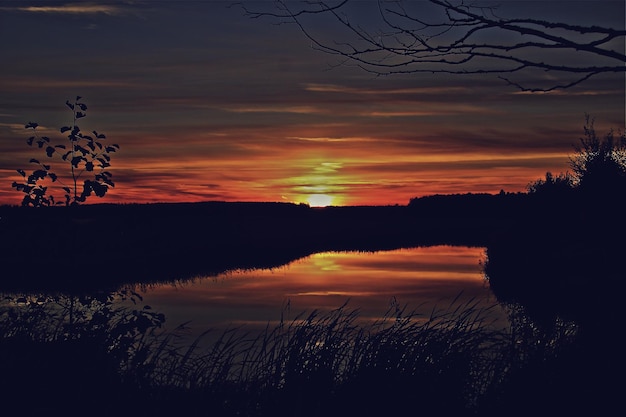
column 73, row 8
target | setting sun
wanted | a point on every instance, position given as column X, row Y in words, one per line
column 320, row 200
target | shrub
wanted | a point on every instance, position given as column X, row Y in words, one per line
column 560, row 184
column 599, row 164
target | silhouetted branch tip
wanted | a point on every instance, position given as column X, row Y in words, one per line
column 455, row 38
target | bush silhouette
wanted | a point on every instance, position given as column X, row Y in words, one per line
column 560, row 184
column 600, row 164
column 563, row 256
column 86, row 156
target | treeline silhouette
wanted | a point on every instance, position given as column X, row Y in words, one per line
column 92, row 246
column 95, row 244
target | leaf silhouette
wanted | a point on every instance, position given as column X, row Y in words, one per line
column 30, row 141
column 99, row 189
column 21, row 172
column 39, row 174
column 49, row 151
column 76, row 160
column 34, row 161
column 65, row 129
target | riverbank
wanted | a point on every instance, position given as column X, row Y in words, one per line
column 93, row 246
column 104, row 246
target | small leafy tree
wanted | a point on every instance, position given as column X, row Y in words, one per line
column 87, row 156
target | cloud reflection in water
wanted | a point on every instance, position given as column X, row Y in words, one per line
column 422, row 278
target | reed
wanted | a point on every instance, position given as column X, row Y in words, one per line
column 453, row 360
column 321, row 363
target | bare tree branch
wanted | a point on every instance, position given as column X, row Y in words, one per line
column 460, row 38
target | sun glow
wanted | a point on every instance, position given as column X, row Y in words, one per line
column 320, row 200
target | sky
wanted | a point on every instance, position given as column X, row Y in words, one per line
column 208, row 104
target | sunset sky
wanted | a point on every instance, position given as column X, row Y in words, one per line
column 208, row 104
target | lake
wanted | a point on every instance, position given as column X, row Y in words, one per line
column 282, row 261
column 421, row 278
column 441, row 277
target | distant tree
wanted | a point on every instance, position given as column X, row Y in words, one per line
column 455, row 37
column 600, row 163
column 85, row 155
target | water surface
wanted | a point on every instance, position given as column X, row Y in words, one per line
column 421, row 278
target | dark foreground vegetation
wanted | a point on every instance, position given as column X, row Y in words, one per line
column 111, row 361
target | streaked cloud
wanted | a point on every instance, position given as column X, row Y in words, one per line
column 326, row 139
column 71, row 8
column 430, row 110
column 276, row 109
column 333, row 88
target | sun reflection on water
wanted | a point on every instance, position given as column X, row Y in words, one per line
column 419, row 277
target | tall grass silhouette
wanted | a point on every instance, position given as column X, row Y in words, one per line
column 453, row 360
